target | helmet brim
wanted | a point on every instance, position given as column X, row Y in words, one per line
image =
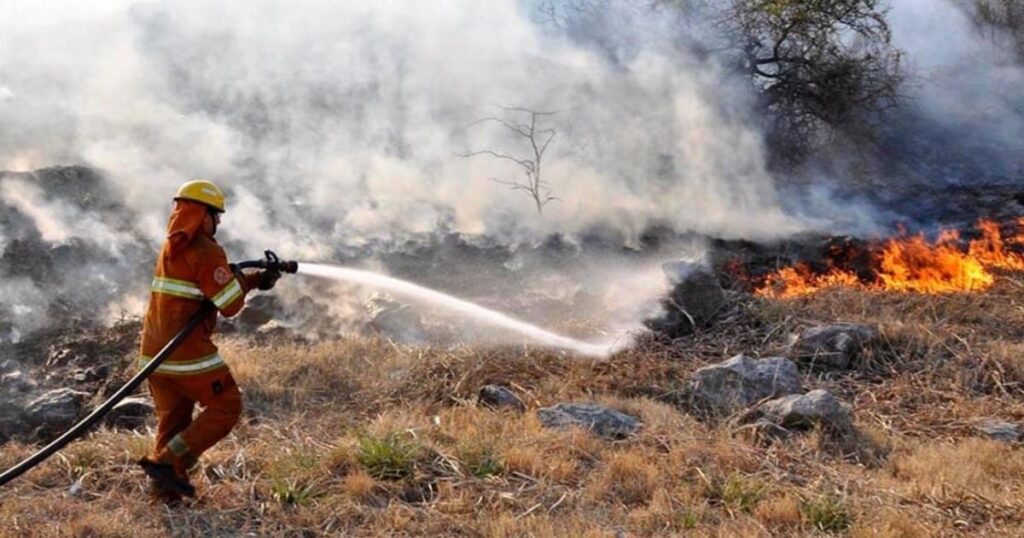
column 208, row 206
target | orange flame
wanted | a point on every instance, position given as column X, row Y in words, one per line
column 913, row 264
column 990, row 250
column 790, row 282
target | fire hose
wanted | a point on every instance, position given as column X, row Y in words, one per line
column 270, row 262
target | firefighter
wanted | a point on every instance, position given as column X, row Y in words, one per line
column 192, row 268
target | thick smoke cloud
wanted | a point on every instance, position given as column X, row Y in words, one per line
column 965, row 121
column 58, row 221
column 348, row 120
column 340, row 126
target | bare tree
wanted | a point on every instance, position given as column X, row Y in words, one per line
column 538, row 139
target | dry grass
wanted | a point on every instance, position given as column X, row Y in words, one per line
column 970, row 468
column 361, row 437
column 628, row 478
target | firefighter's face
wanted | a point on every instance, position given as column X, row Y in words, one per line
column 210, row 222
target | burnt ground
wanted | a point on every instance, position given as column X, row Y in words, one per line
column 83, row 356
column 50, row 281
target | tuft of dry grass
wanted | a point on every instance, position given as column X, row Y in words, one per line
column 736, row 491
column 896, row 524
column 1006, row 366
column 628, row 478
column 973, row 467
column 780, row 512
column 827, row 513
column 359, row 485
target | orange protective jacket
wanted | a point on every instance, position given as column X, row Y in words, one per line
column 192, row 267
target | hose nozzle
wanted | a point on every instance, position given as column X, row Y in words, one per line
column 276, row 264
column 271, row 262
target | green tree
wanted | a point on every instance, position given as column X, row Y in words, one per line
column 821, row 70
column 821, row 67
column 1003, row 22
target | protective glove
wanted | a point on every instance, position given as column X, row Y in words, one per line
column 267, row 279
column 237, row 272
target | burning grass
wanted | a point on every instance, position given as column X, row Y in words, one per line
column 363, row 437
column 908, row 264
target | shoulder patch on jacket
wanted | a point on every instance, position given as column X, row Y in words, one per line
column 221, row 275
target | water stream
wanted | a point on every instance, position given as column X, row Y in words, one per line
column 412, row 291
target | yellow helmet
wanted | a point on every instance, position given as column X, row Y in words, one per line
column 204, row 192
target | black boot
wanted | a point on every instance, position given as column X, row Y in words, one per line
column 163, row 474
column 160, row 496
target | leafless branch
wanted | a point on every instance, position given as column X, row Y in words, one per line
column 539, row 139
column 528, row 165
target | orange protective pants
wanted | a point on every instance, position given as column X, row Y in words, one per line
column 180, row 439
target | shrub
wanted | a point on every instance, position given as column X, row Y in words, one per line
column 737, row 492
column 482, row 462
column 292, row 491
column 827, row 513
column 388, row 457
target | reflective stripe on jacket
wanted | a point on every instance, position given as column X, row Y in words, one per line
column 198, row 366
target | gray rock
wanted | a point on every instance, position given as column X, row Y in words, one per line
column 130, row 413
column 76, row 489
column 496, row 396
column 724, row 388
column 1000, row 430
column 697, row 298
column 65, row 356
column 274, row 329
column 763, row 429
column 395, row 320
column 805, row 411
column 834, row 345
column 55, row 410
column 226, row 326
column 598, row 418
column 11, row 421
column 258, row 310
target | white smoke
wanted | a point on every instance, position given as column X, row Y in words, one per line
column 58, row 221
column 341, row 124
column 966, row 83
column 347, row 119
column 22, row 309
